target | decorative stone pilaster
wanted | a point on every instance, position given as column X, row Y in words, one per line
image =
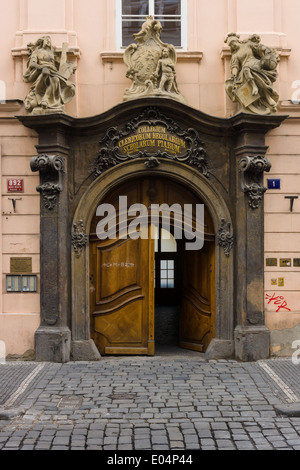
column 53, row 338
column 252, row 337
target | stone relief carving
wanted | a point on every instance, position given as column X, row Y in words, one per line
column 51, row 170
column 151, row 65
column 225, row 237
column 253, row 72
column 79, row 237
column 162, row 138
column 152, row 162
column 252, row 169
column 49, row 74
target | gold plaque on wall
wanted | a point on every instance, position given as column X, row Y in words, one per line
column 285, row 262
column 271, row 262
column 281, row 281
column 20, row 265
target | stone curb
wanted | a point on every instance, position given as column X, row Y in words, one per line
column 7, row 415
column 291, row 410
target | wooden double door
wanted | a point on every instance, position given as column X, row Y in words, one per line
column 132, row 274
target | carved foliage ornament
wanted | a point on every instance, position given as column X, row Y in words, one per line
column 51, row 170
column 79, row 238
column 151, row 135
column 225, row 237
column 252, row 169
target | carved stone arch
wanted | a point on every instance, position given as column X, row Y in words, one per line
column 207, row 192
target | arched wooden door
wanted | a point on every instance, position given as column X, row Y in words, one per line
column 122, row 277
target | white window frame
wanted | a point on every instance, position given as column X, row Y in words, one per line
column 151, row 12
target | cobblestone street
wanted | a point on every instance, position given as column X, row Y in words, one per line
column 169, row 402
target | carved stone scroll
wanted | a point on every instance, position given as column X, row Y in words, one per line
column 225, row 237
column 79, row 238
column 151, row 135
column 252, row 169
column 51, row 170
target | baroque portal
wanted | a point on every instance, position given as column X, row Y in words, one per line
column 151, row 65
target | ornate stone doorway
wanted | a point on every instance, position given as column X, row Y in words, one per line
column 221, row 161
column 172, row 177
column 140, row 288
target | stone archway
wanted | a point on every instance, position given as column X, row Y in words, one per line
column 82, row 345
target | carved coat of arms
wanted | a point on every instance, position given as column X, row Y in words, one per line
column 151, row 65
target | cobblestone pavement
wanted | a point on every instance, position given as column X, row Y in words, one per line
column 164, row 403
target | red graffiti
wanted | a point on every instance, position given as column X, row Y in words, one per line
column 278, row 300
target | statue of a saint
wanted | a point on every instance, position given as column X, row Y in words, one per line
column 253, row 72
column 151, row 65
column 49, row 74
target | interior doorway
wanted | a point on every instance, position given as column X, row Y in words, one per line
column 167, row 287
column 150, row 290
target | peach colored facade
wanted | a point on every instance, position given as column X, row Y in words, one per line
column 90, row 28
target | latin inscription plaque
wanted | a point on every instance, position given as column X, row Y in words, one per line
column 152, row 138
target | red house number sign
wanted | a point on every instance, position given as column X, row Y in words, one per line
column 15, row 185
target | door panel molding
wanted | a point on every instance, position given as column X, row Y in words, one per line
column 117, row 307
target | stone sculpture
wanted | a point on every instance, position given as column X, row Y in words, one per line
column 253, row 72
column 49, row 73
column 151, row 65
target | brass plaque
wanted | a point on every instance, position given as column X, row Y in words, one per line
column 273, row 282
column 271, row 262
column 297, row 262
column 20, row 265
column 281, row 281
column 154, row 139
column 285, row 262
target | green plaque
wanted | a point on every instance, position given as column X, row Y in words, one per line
column 297, row 262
